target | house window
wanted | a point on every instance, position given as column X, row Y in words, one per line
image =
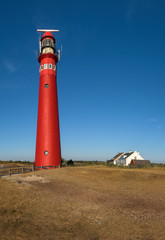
column 45, row 66
column 41, row 67
column 50, row 66
column 54, row 67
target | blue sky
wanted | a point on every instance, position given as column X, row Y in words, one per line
column 111, row 78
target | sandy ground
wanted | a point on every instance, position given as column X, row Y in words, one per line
column 92, row 203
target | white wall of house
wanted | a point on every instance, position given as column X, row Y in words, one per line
column 133, row 156
column 114, row 162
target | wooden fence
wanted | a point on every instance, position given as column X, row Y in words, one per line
column 8, row 171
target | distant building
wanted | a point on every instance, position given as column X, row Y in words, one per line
column 123, row 158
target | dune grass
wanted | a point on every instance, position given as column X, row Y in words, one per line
column 92, row 202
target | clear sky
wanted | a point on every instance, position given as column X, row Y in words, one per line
column 111, row 78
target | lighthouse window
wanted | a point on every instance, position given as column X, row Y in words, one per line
column 46, row 85
column 45, row 66
column 46, row 153
column 54, row 67
column 41, row 67
column 50, row 66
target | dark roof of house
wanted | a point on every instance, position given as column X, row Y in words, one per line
column 128, row 154
column 140, row 162
column 117, row 156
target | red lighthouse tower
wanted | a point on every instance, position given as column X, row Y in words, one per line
column 48, row 149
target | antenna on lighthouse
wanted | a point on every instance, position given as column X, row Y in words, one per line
column 59, row 53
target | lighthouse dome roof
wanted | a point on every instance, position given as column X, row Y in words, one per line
column 47, row 35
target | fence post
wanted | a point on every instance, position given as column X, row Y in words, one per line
column 10, row 171
column 22, row 170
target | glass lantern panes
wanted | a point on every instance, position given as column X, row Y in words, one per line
column 47, row 43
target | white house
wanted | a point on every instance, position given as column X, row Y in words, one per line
column 116, row 157
column 125, row 158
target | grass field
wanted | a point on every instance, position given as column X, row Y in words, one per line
column 93, row 202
